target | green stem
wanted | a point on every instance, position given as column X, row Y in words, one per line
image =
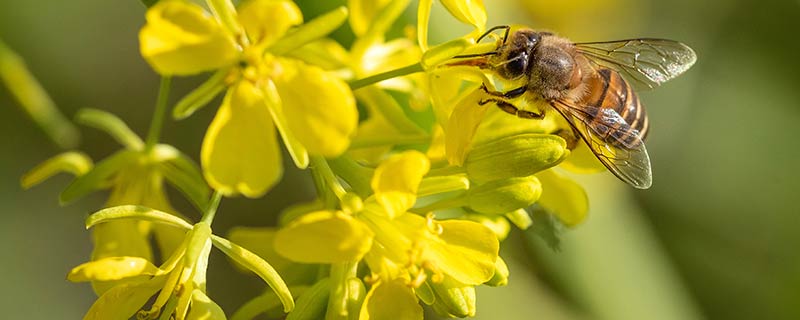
column 360, row 83
column 320, row 165
column 211, row 211
column 367, row 142
column 158, row 115
column 337, row 303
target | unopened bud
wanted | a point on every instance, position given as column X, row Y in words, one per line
column 500, row 277
column 454, row 298
column 502, row 196
column 498, row 224
column 514, row 156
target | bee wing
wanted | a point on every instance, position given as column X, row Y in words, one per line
column 646, row 63
column 627, row 158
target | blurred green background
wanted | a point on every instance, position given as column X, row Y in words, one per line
column 715, row 238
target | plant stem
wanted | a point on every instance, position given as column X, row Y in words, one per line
column 367, row 142
column 211, row 211
column 320, row 165
column 158, row 115
column 360, row 83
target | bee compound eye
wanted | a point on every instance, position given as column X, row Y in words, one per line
column 516, row 65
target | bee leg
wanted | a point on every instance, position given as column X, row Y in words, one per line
column 511, row 94
column 510, row 108
column 570, row 136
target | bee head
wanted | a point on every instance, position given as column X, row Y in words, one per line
column 516, row 53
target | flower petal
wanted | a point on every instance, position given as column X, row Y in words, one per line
column 112, row 268
column 319, row 108
column 181, row 39
column 467, row 11
column 266, row 21
column 203, row 308
column 397, row 179
column 363, row 12
column 240, row 153
column 563, row 197
column 462, row 125
column 123, row 301
column 464, row 250
column 391, row 300
column 324, row 237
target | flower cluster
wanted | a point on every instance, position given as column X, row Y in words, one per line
column 417, row 183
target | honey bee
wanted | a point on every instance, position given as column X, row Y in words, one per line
column 592, row 85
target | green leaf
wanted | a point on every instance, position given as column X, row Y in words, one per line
column 183, row 173
column 547, row 227
column 200, row 96
column 310, row 31
column 98, row 177
column 73, row 162
column 135, row 212
column 262, row 268
column 311, row 304
column 34, row 100
column 111, row 124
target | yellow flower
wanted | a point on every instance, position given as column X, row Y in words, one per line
column 401, row 249
column 178, row 285
column 313, row 111
column 135, row 176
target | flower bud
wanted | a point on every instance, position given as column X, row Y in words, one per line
column 520, row 218
column 498, row 224
column 454, row 298
column 500, row 277
column 514, row 156
column 502, row 196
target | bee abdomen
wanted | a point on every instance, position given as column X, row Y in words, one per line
column 617, row 115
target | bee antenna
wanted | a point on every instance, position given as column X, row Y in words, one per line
column 491, row 53
column 488, row 32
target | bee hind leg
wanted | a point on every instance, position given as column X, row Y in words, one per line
column 510, row 108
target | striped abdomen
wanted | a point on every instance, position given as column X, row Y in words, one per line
column 614, row 111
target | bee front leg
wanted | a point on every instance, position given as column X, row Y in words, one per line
column 511, row 94
column 510, row 108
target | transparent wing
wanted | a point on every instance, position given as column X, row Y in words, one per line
column 646, row 63
column 626, row 156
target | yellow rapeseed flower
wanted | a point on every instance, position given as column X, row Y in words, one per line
column 313, row 111
column 403, row 250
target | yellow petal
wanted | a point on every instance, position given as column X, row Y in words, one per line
column 563, row 197
column 362, row 13
column 324, row 237
column 123, row 301
column 468, row 11
column 266, row 21
column 582, row 160
column 240, row 153
column 397, row 179
column 319, row 108
column 466, row 251
column 112, row 268
column 390, row 300
column 462, row 125
column 203, row 308
column 181, row 39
